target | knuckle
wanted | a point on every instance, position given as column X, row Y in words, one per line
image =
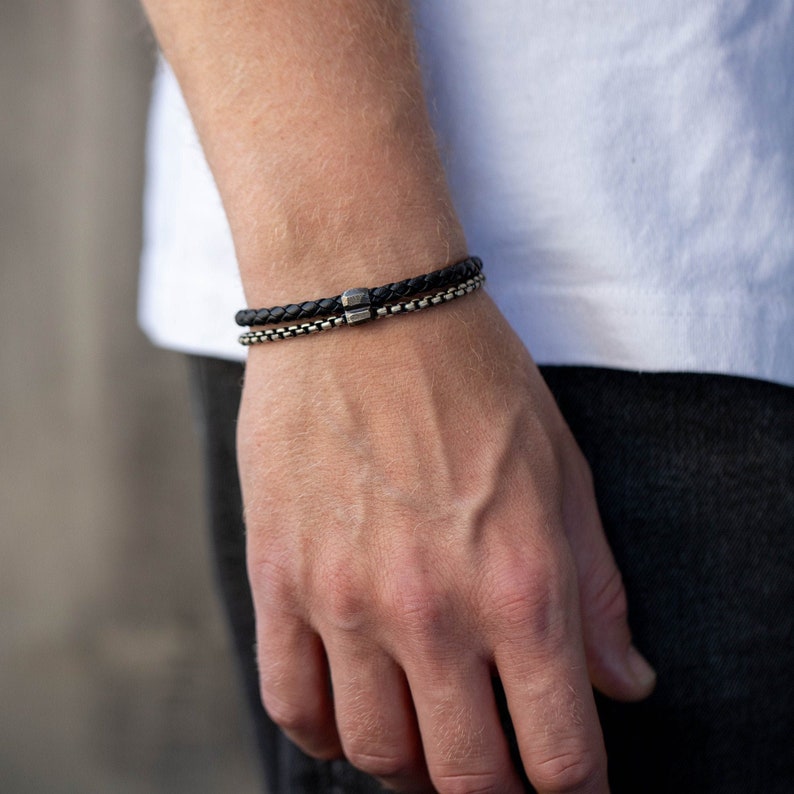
column 569, row 772
column 419, row 606
column 346, row 604
column 271, row 579
column 379, row 763
column 609, row 599
column 303, row 726
column 469, row 783
column 533, row 603
column 291, row 717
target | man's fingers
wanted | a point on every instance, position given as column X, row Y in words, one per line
column 294, row 684
column 616, row 668
column 465, row 746
column 374, row 715
column 540, row 660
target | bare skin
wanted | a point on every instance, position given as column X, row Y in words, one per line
column 419, row 517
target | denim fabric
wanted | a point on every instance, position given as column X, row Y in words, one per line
column 694, row 476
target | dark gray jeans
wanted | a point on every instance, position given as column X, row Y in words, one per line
column 694, row 477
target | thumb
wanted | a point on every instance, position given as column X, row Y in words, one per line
column 616, row 667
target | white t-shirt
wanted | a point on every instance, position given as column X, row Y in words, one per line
column 624, row 169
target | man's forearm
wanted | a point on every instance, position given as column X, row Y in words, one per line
column 314, row 124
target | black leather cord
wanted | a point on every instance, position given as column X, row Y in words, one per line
column 379, row 296
column 390, row 310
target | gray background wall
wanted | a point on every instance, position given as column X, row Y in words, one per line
column 115, row 673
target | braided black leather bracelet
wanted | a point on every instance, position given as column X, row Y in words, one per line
column 378, row 296
column 326, row 324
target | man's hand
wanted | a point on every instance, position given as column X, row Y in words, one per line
column 420, row 519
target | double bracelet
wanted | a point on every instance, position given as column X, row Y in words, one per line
column 378, row 296
column 356, row 306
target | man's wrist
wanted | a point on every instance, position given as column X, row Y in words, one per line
column 330, row 264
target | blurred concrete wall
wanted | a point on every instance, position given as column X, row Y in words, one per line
column 114, row 665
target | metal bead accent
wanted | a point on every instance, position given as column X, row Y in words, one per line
column 356, row 303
